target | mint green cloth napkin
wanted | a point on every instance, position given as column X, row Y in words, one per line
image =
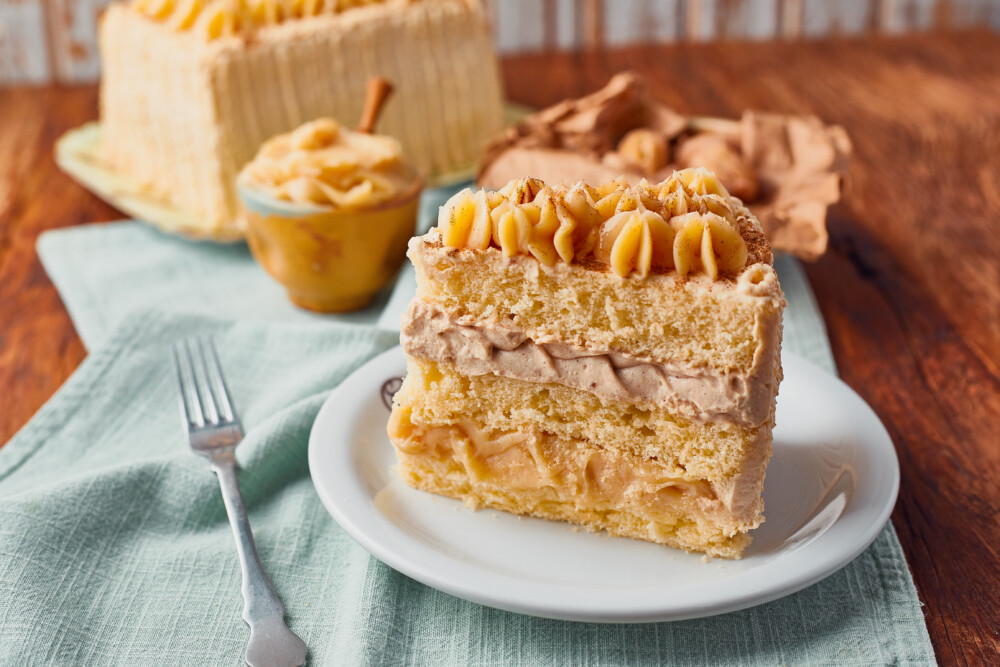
column 104, row 272
column 115, row 548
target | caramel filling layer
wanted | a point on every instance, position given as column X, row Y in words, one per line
column 687, row 390
column 540, row 467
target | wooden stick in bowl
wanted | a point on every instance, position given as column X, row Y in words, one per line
column 376, row 94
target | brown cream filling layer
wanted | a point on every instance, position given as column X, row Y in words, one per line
column 689, row 391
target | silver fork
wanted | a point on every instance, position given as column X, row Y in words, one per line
column 214, row 431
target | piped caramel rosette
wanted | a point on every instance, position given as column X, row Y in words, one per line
column 215, row 19
column 323, row 164
column 688, row 223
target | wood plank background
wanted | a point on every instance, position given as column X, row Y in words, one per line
column 42, row 41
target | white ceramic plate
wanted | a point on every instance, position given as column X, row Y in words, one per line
column 830, row 488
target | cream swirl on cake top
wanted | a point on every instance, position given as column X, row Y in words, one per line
column 688, row 223
column 323, row 163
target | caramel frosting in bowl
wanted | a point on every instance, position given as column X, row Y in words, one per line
column 787, row 169
column 329, row 213
column 322, row 164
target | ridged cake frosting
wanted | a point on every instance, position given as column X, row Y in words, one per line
column 192, row 89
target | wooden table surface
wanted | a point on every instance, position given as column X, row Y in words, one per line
column 910, row 287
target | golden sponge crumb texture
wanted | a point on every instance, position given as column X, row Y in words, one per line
column 604, row 355
column 532, row 471
column 725, row 325
column 435, row 393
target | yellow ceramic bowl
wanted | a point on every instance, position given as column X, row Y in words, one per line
column 329, row 260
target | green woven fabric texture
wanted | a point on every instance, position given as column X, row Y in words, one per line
column 115, row 548
column 104, row 272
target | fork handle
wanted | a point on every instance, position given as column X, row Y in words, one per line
column 271, row 642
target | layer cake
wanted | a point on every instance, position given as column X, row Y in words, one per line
column 192, row 88
column 605, row 355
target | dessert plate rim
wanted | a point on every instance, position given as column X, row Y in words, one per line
column 339, row 443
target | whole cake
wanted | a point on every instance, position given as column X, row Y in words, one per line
column 192, row 88
column 605, row 355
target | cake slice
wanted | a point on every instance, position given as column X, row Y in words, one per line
column 192, row 88
column 605, row 355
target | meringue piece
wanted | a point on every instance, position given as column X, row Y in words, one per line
column 269, row 12
column 579, row 219
column 455, row 218
column 464, row 221
column 222, row 18
column 645, row 149
column 522, row 190
column 714, row 152
column 513, row 232
column 157, row 10
column 701, row 181
column 186, row 14
column 607, row 206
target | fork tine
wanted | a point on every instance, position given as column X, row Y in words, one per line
column 203, row 383
column 194, row 395
column 218, row 380
column 185, row 415
column 190, row 404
